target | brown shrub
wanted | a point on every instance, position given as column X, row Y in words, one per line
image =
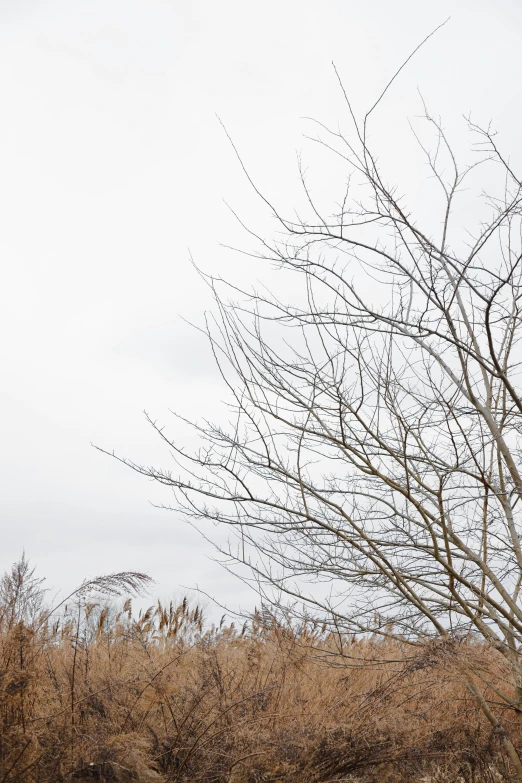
column 102, row 695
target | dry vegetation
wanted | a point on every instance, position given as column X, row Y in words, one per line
column 97, row 693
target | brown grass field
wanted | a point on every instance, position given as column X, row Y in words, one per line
column 95, row 693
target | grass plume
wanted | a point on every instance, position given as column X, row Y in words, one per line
column 93, row 691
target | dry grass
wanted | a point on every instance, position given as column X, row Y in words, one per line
column 100, row 694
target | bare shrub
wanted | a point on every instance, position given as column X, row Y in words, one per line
column 373, row 436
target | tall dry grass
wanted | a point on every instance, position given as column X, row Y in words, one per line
column 99, row 693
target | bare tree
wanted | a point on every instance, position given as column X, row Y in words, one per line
column 375, row 441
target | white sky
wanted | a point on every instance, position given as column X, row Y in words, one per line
column 112, row 165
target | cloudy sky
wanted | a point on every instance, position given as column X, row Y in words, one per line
column 114, row 169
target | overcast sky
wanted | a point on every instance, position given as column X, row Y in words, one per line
column 113, row 167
